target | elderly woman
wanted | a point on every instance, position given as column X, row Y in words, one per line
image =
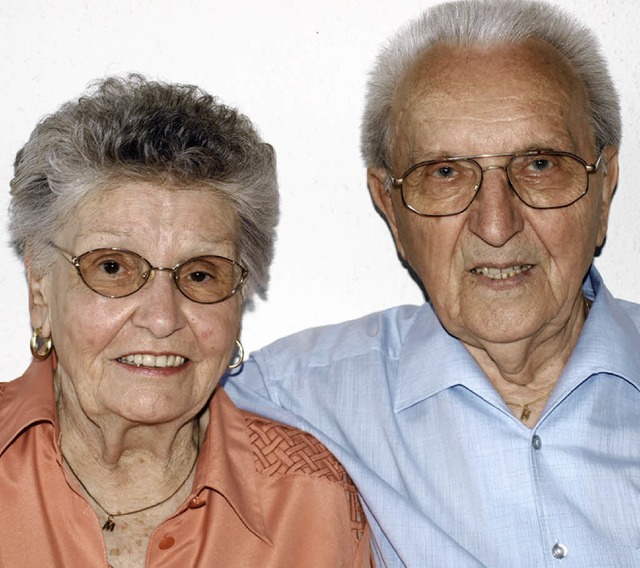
column 145, row 216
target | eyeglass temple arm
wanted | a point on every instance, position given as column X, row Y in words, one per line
column 592, row 168
column 395, row 182
column 64, row 254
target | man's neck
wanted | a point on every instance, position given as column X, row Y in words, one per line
column 525, row 372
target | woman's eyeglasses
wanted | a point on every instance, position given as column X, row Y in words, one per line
column 116, row 273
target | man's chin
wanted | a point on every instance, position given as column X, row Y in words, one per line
column 498, row 323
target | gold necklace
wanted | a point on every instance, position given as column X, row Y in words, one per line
column 110, row 523
column 526, row 411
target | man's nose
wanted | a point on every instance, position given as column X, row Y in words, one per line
column 496, row 213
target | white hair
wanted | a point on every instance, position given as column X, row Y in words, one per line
column 484, row 23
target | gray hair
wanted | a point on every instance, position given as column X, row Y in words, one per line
column 483, row 23
column 131, row 128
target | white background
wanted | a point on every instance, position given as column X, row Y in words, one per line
column 298, row 70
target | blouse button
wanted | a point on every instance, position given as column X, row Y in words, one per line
column 167, row 542
column 536, row 442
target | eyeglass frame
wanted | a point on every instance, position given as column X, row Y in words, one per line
column 75, row 261
column 589, row 169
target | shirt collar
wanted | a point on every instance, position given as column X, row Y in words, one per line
column 431, row 360
column 609, row 339
column 226, row 464
column 27, row 401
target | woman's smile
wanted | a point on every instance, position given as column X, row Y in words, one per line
column 148, row 360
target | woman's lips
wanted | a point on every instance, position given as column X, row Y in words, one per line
column 147, row 360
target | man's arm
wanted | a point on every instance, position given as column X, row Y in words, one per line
column 250, row 389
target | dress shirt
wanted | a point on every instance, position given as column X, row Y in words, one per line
column 448, row 475
column 264, row 495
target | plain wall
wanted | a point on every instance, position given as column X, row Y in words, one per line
column 298, row 70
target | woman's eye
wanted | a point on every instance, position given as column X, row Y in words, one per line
column 200, row 276
column 111, row 266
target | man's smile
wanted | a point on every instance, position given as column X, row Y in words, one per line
column 501, row 273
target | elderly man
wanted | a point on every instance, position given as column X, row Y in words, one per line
column 498, row 424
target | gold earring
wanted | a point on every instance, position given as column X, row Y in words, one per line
column 238, row 356
column 40, row 346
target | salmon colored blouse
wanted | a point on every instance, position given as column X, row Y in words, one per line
column 265, row 495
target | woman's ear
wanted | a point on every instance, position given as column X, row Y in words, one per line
column 38, row 300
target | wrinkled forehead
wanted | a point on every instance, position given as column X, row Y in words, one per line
column 135, row 210
column 483, row 88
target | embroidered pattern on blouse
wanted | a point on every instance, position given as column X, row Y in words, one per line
column 282, row 450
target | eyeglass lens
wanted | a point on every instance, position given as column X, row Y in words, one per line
column 119, row 273
column 544, row 180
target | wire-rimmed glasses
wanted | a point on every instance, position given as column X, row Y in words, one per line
column 542, row 179
column 116, row 273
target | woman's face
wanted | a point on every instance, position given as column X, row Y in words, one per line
column 94, row 335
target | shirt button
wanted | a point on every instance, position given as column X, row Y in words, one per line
column 536, row 442
column 167, row 542
column 559, row 551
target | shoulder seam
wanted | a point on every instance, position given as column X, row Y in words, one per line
column 279, row 450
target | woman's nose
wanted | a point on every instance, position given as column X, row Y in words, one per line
column 160, row 304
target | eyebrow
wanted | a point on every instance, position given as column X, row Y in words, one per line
column 446, row 155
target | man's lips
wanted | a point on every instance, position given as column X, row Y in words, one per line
column 147, row 360
column 501, row 273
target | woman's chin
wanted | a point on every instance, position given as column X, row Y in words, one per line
column 152, row 408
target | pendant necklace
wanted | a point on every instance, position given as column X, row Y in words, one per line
column 526, row 411
column 110, row 523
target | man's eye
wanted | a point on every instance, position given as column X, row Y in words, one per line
column 540, row 165
column 444, row 172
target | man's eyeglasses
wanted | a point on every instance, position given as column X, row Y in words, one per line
column 541, row 179
column 116, row 273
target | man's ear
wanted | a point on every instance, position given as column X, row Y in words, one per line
column 38, row 300
column 609, row 185
column 383, row 200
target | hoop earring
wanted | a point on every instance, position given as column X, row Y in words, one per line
column 238, row 356
column 40, row 346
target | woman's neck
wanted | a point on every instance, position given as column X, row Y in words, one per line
column 126, row 466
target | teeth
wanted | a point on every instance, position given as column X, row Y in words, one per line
column 502, row 273
column 145, row 360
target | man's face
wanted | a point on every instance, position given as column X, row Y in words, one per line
column 505, row 99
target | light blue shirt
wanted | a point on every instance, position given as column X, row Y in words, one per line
column 448, row 475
